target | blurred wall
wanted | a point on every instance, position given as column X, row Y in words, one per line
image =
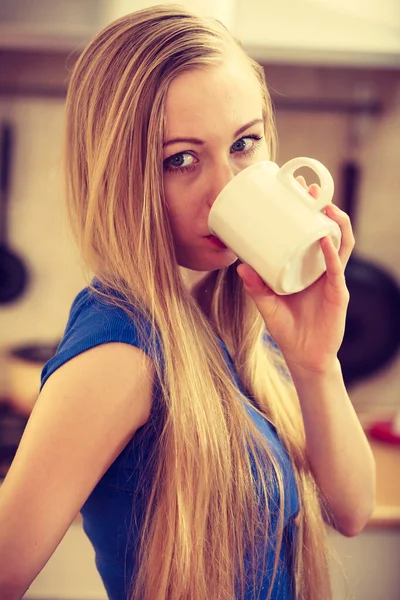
column 37, row 222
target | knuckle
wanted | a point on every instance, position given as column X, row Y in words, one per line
column 346, row 296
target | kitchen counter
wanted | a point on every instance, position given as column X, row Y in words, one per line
column 387, row 510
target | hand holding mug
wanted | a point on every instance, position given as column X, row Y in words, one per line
column 272, row 224
column 308, row 326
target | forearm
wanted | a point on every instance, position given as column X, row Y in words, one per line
column 11, row 588
column 8, row 591
column 338, row 450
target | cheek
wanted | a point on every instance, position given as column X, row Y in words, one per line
column 263, row 153
column 181, row 207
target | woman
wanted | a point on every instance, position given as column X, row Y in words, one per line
column 198, row 421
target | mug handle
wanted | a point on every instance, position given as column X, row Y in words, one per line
column 286, row 175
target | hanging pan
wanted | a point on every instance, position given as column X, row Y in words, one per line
column 13, row 272
column 372, row 333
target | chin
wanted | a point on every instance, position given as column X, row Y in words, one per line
column 203, row 257
column 213, row 263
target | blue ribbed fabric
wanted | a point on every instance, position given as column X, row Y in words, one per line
column 113, row 512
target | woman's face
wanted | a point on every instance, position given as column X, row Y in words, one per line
column 214, row 129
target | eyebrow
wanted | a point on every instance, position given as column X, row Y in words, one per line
column 192, row 140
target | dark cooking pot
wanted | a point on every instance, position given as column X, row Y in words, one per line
column 372, row 334
column 12, row 427
column 25, row 364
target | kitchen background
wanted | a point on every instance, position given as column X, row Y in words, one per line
column 333, row 72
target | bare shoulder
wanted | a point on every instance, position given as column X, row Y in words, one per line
column 86, row 413
column 106, row 376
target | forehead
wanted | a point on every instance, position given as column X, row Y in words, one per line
column 204, row 101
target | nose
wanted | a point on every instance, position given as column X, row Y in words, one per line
column 221, row 175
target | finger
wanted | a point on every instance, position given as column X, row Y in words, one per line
column 263, row 296
column 302, row 181
column 252, row 282
column 314, row 190
column 334, row 267
column 249, row 276
column 348, row 241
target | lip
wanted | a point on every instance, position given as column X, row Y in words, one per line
column 216, row 242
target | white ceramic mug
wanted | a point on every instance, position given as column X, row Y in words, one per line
column 271, row 222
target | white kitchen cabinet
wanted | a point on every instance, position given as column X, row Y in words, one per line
column 358, row 33
column 320, row 31
column 370, row 565
column 316, row 31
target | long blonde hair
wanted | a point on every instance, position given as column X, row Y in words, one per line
column 203, row 512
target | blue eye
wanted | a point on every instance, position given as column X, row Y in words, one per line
column 240, row 145
column 246, row 148
column 185, row 162
column 178, row 162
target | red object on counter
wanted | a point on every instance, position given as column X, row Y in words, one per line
column 385, row 431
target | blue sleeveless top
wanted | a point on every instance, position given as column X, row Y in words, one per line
column 114, row 510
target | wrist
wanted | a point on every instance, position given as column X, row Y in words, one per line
column 330, row 369
column 319, row 386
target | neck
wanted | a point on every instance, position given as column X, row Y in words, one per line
column 201, row 285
